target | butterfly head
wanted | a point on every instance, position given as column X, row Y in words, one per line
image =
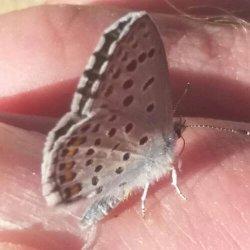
column 179, row 126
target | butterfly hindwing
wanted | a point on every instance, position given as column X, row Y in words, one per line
column 102, row 155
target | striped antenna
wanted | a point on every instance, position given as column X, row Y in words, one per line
column 231, row 130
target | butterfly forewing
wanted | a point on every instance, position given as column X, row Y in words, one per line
column 122, row 109
column 126, row 77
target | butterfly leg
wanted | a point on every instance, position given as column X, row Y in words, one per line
column 143, row 198
column 174, row 183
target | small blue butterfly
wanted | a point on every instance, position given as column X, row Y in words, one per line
column 119, row 134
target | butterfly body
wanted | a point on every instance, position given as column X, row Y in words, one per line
column 119, row 134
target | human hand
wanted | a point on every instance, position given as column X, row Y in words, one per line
column 43, row 53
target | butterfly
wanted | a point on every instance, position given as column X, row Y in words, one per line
column 119, row 134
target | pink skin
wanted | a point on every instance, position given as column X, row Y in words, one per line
column 43, row 51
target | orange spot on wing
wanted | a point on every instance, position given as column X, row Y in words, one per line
column 68, row 176
column 75, row 189
column 72, row 191
column 72, row 151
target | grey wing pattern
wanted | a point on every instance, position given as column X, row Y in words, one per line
column 113, row 139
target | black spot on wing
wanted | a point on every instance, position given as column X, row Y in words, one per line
column 62, row 131
column 101, row 56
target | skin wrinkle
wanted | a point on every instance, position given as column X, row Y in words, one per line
column 164, row 217
column 143, row 221
column 240, row 213
column 222, row 231
column 124, row 241
column 193, row 224
column 187, row 235
column 182, row 230
column 116, row 235
column 158, row 202
column 199, row 242
column 231, row 205
column 147, row 227
column 142, row 231
column 211, row 215
column 229, row 237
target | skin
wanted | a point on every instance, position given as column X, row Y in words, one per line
column 41, row 60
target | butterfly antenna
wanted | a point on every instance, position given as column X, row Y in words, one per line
column 187, row 88
column 231, row 130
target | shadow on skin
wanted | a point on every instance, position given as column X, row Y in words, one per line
column 211, row 96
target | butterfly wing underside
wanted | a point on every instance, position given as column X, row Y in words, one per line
column 113, row 140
